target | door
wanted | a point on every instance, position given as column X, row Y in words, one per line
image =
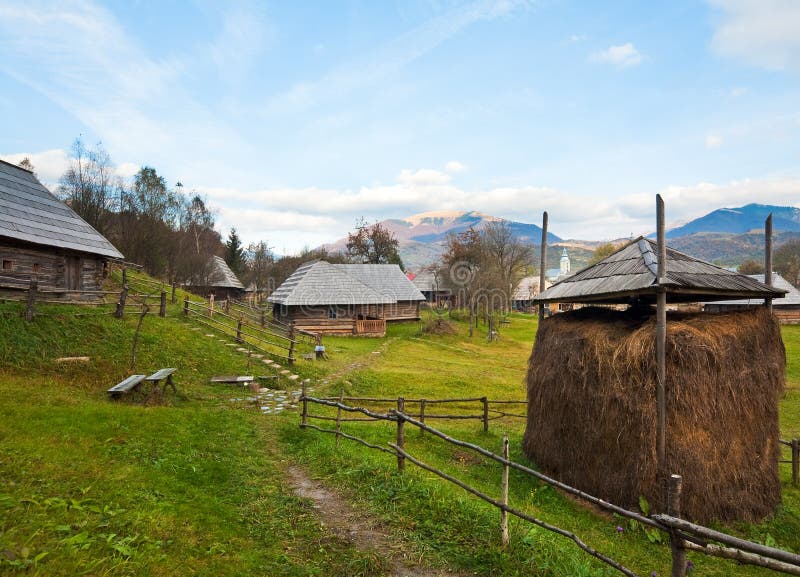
column 72, row 273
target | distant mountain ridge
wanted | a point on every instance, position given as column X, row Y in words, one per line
column 741, row 220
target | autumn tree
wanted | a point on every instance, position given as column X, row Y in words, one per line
column 603, row 251
column 786, row 261
column 259, row 261
column 751, row 266
column 373, row 244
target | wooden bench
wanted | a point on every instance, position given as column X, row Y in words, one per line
column 163, row 375
column 126, row 386
column 233, row 379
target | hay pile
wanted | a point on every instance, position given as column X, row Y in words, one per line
column 592, row 408
column 439, row 326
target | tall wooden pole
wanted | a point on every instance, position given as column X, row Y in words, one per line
column 543, row 264
column 768, row 258
column 661, row 340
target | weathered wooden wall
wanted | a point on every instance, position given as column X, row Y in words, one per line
column 49, row 267
column 402, row 311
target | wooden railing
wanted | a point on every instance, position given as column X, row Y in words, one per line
column 370, row 327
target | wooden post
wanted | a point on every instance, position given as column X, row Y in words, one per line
column 30, row 309
column 795, row 462
column 239, row 330
column 504, row 495
column 339, row 417
column 543, row 265
column 675, row 542
column 491, row 329
column 123, row 296
column 124, row 275
column 186, row 306
column 768, row 258
column 304, row 414
column 422, row 403
column 401, row 406
column 263, row 318
column 227, row 305
column 485, row 402
column 471, row 308
column 162, row 310
column 211, row 305
column 174, row 296
column 291, row 333
column 661, row 341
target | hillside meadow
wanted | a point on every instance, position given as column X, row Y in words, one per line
column 197, row 483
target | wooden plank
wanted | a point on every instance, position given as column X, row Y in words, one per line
column 126, row 385
column 232, row 379
column 160, row 374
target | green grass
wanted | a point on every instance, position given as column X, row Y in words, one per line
column 195, row 485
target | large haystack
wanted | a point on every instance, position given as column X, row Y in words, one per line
column 592, row 408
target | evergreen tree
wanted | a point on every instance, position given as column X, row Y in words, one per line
column 234, row 253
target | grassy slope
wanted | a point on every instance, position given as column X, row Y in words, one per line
column 197, row 485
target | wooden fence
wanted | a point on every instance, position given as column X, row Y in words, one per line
column 683, row 535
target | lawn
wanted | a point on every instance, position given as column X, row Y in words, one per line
column 196, row 484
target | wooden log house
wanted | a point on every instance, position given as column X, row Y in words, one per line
column 218, row 279
column 43, row 239
column 346, row 298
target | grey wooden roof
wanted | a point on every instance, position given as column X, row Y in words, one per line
column 426, row 281
column 632, row 272
column 791, row 298
column 222, row 276
column 385, row 279
column 29, row 212
column 321, row 283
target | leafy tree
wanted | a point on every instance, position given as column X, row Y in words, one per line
column 373, row 244
column 786, row 261
column 750, row 266
column 234, row 253
column 603, row 251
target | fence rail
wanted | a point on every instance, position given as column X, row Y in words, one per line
column 682, row 534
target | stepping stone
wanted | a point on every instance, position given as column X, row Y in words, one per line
column 242, row 350
column 277, row 366
column 230, row 344
column 256, row 356
column 285, row 371
column 209, row 335
column 267, row 362
column 294, row 377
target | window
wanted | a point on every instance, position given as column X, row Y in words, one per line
column 8, row 264
column 332, row 312
column 37, row 267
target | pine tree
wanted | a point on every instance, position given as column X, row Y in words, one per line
column 234, row 253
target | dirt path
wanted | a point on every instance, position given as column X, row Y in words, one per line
column 362, row 531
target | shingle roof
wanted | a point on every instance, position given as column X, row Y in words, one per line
column 632, row 272
column 29, row 212
column 221, row 275
column 321, row 283
column 791, row 298
column 527, row 288
column 385, row 279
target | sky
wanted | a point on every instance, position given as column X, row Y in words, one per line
column 295, row 119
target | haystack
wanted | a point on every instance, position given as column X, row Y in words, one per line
column 592, row 408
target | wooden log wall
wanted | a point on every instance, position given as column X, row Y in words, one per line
column 21, row 263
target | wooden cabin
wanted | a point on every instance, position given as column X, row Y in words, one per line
column 218, row 280
column 43, row 239
column 346, row 298
column 431, row 287
column 785, row 309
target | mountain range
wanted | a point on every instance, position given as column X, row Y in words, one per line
column 725, row 236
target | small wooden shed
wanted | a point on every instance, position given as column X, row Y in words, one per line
column 42, row 238
column 593, row 381
column 218, row 280
column 346, row 298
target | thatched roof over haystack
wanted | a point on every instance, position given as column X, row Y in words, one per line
column 592, row 412
column 631, row 274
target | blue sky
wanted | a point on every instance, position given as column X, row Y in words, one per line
column 294, row 118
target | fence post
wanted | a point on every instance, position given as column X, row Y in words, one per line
column 30, row 309
column 485, row 402
column 174, row 296
column 124, row 275
column 228, row 305
column 211, row 306
column 123, row 296
column 795, row 461
column 504, row 495
column 339, row 416
column 674, row 510
column 422, row 403
column 162, row 310
column 263, row 318
column 401, row 407
column 239, row 330
column 186, row 306
column 291, row 332
column 304, row 414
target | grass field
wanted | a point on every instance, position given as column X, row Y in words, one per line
column 196, row 485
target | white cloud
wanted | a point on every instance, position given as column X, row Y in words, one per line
column 49, row 164
column 454, row 166
column 760, row 32
column 713, row 141
column 622, row 56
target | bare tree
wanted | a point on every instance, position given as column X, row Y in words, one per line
column 89, row 185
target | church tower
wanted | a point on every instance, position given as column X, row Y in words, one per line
column 564, row 263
